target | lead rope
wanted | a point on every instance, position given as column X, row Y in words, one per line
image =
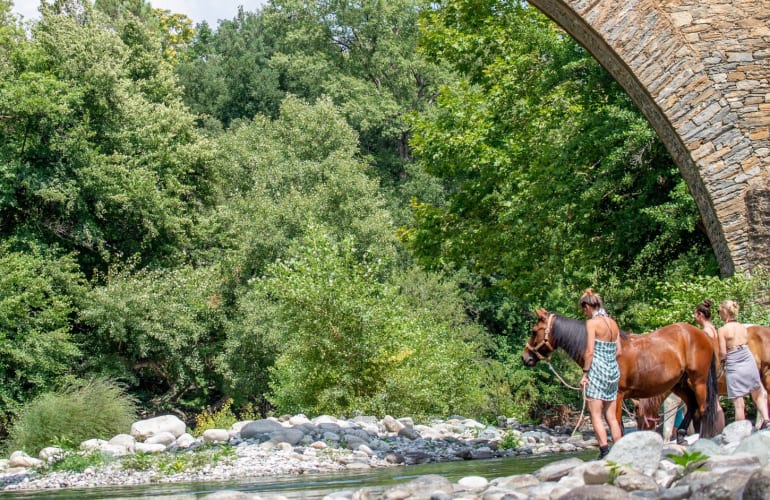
column 583, row 390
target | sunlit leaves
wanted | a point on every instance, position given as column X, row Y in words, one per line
column 552, row 172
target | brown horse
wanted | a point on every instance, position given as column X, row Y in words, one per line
column 678, row 358
column 647, row 410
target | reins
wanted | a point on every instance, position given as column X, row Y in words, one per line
column 546, row 341
column 583, row 391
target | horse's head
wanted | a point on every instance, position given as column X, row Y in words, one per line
column 540, row 344
column 646, row 413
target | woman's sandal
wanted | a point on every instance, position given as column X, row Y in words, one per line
column 765, row 425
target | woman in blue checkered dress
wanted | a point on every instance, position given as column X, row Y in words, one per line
column 600, row 372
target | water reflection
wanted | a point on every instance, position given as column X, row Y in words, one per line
column 313, row 486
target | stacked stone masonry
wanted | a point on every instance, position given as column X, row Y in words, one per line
column 700, row 72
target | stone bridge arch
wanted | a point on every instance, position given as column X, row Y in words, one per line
column 699, row 70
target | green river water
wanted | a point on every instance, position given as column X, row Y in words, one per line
column 313, row 486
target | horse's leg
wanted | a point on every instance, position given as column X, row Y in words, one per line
column 765, row 375
column 687, row 395
column 619, row 412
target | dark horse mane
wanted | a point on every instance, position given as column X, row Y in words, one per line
column 571, row 336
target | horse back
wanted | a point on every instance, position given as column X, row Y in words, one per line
column 652, row 363
column 676, row 337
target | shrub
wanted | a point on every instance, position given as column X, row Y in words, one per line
column 99, row 408
column 215, row 419
column 509, row 441
column 351, row 338
column 38, row 293
column 155, row 329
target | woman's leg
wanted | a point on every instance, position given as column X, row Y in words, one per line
column 595, row 409
column 760, row 401
column 610, row 413
column 740, row 408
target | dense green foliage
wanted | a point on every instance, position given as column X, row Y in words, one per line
column 552, row 173
column 385, row 345
column 40, row 294
column 98, row 154
column 320, row 207
column 98, row 409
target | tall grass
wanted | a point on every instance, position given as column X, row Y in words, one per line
column 98, row 408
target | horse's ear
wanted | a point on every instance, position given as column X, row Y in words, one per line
column 541, row 313
column 635, row 402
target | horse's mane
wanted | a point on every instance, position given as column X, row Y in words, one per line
column 572, row 335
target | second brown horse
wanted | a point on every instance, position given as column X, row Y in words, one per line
column 677, row 358
column 647, row 411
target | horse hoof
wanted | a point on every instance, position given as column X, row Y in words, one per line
column 680, row 436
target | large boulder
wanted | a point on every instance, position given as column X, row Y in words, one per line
column 165, row 423
column 260, row 427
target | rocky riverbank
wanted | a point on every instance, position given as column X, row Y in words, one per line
column 159, row 450
column 732, row 465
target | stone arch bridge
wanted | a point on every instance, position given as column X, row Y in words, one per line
column 700, row 72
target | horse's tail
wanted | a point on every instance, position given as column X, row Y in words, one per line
column 710, row 422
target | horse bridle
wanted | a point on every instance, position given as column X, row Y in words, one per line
column 546, row 340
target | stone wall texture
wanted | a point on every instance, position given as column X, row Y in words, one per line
column 700, row 72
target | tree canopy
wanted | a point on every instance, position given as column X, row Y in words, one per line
column 323, row 207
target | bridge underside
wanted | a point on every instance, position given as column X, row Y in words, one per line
column 699, row 70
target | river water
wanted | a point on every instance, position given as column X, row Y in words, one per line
column 314, row 486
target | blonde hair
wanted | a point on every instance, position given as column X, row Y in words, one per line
column 591, row 298
column 731, row 307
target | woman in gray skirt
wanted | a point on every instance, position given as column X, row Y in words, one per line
column 740, row 367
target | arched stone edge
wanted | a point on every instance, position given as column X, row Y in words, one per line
column 592, row 41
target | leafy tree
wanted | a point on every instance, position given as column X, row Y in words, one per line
column 553, row 173
column 349, row 339
column 306, row 170
column 99, row 155
column 177, row 34
column 226, row 74
column 125, row 8
column 39, row 294
column 158, row 330
column 363, row 55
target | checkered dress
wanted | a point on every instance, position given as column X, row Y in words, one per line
column 604, row 373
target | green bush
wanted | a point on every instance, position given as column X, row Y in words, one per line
column 39, row 291
column 155, row 329
column 351, row 337
column 98, row 408
column 675, row 299
column 211, row 418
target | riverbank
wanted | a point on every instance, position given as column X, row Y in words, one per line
column 160, row 451
column 731, row 465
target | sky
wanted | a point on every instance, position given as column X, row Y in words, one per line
column 197, row 10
